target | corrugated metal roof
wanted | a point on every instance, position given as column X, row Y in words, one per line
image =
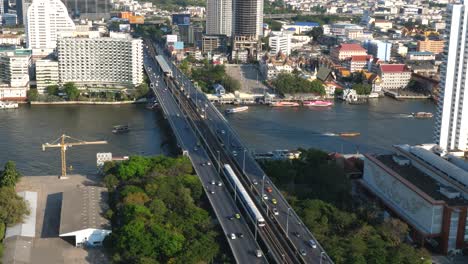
column 28, row 227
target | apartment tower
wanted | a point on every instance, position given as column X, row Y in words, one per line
column 219, row 17
column 45, row 20
column 248, row 17
column 451, row 127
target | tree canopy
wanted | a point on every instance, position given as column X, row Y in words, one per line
column 72, row 92
column 10, row 175
column 12, row 207
column 156, row 212
column 362, row 88
column 290, row 83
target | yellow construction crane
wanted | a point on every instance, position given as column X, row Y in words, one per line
column 60, row 143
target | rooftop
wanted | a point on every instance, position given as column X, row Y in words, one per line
column 393, row 68
column 351, row 47
column 361, row 58
column 83, row 208
column 420, row 53
column 310, row 24
column 420, row 180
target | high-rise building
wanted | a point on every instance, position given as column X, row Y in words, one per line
column 219, row 17
column 90, row 9
column 451, row 127
column 380, row 49
column 45, row 20
column 4, row 6
column 112, row 62
column 21, row 10
column 248, row 17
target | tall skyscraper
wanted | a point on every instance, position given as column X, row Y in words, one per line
column 219, row 17
column 248, row 17
column 451, row 128
column 91, row 9
column 45, row 20
column 21, row 10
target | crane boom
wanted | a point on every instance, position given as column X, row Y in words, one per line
column 60, row 143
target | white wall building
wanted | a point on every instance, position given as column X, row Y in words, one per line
column 219, row 17
column 10, row 39
column 280, row 41
column 14, row 68
column 45, row 20
column 451, row 128
column 46, row 74
column 114, row 61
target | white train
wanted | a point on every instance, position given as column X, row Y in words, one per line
column 251, row 207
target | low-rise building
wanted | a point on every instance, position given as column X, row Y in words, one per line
column 379, row 49
column 434, row 46
column 300, row 27
column 358, row 63
column 279, row 41
column 345, row 51
column 393, row 76
column 14, row 73
column 270, row 70
column 420, row 56
column 383, row 25
column 426, row 191
column 47, row 73
column 10, row 39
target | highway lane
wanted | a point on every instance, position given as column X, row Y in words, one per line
column 298, row 234
column 221, row 200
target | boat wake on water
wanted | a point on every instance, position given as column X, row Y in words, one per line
column 329, row 134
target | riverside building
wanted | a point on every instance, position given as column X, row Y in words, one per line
column 90, row 60
column 14, row 73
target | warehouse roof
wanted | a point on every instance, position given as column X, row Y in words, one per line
column 28, row 227
column 83, row 208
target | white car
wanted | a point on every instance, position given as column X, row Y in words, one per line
column 265, row 197
column 208, row 163
column 233, row 236
column 275, row 211
column 220, row 184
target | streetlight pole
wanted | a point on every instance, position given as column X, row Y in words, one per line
column 321, row 256
column 287, row 222
column 243, row 162
column 219, row 162
column 263, row 185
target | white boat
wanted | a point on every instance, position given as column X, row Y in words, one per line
column 237, row 109
column 8, row 105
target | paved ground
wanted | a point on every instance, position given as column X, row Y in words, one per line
column 449, row 260
column 48, row 248
column 248, row 75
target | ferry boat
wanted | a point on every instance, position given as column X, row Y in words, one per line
column 422, row 115
column 7, row 105
column 237, row 109
column 120, row 129
column 317, row 103
column 284, row 104
column 349, row 134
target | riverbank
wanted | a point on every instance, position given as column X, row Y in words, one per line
column 88, row 103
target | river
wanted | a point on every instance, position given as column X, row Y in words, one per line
column 23, row 130
column 382, row 123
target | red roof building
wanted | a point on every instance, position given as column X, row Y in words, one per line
column 394, row 76
column 345, row 51
column 358, row 62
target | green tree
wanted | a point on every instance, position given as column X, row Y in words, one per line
column 10, row 175
column 230, row 84
column 362, row 89
column 52, row 89
column 12, row 207
column 32, row 95
column 71, row 91
column 141, row 90
column 316, row 33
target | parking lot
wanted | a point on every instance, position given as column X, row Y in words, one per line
column 249, row 76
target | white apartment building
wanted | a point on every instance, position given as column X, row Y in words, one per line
column 47, row 73
column 45, row 20
column 114, row 61
column 10, row 39
column 393, row 76
column 451, row 127
column 270, row 71
column 280, row 41
column 219, row 17
column 14, row 68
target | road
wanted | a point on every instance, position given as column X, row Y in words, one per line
column 223, row 204
column 297, row 233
